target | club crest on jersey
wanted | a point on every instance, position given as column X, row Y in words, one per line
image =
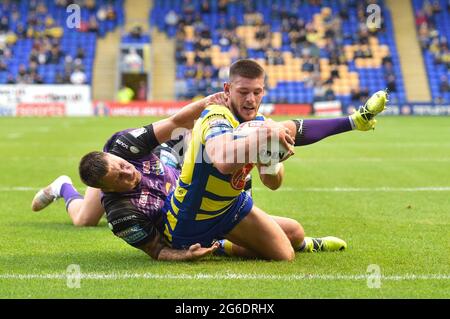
column 239, row 177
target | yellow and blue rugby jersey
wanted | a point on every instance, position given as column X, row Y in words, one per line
column 203, row 192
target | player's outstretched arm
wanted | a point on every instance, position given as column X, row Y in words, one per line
column 158, row 250
column 185, row 118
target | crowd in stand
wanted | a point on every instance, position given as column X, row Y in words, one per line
column 433, row 41
column 302, row 40
column 41, row 27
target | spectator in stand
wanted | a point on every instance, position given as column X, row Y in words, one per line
column 420, row 18
column 319, row 93
column 21, row 32
column 78, row 76
column 136, row 32
column 171, row 18
column 101, row 13
column 4, row 24
column 205, row 7
column 355, row 94
column 10, row 79
column 66, row 77
column 222, row 6
column 110, row 13
column 329, row 93
column 55, row 54
column 3, row 65
column 37, row 79
column 334, row 74
column 62, row 3
column 142, row 91
column 93, row 25
column 59, row 79
column 91, row 5
column 308, row 65
column 80, row 54
column 444, row 85
column 391, row 83
column 22, row 75
column 388, row 69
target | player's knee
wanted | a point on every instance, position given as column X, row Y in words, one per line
column 296, row 234
column 287, row 254
column 84, row 222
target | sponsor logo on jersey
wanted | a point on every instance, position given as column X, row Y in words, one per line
column 238, row 178
column 134, row 149
column 138, row 132
column 133, row 234
column 121, row 220
column 124, row 145
column 143, row 199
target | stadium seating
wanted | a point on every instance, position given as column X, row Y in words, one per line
column 70, row 40
column 435, row 21
column 286, row 80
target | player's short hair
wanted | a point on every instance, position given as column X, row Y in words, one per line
column 246, row 68
column 93, row 167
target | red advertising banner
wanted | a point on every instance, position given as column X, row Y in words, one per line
column 167, row 108
column 163, row 108
column 292, row 109
column 41, row 109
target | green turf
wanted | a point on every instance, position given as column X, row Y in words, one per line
column 402, row 230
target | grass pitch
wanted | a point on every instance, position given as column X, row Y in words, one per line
column 386, row 192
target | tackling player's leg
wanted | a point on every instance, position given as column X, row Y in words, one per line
column 52, row 192
column 310, row 131
column 363, row 118
column 84, row 211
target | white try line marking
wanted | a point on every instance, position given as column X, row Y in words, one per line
column 293, row 189
column 295, row 277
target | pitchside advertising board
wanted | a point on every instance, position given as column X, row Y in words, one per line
column 167, row 108
column 75, row 100
column 45, row 100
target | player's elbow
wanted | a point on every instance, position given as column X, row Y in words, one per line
column 273, row 186
column 271, row 182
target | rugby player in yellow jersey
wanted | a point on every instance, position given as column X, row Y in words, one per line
column 209, row 204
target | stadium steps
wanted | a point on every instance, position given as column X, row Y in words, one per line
column 411, row 60
column 105, row 66
column 137, row 12
column 163, row 75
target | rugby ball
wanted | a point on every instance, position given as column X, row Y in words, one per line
column 270, row 151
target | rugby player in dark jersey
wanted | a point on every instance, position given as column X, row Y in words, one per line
column 134, row 184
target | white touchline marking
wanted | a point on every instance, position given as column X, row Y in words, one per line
column 230, row 276
column 292, row 189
